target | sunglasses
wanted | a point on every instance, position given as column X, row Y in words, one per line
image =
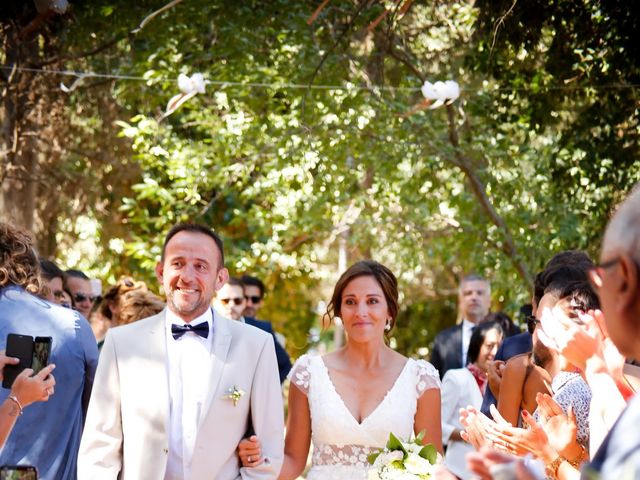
column 81, row 297
column 532, row 323
column 236, row 301
column 253, row 298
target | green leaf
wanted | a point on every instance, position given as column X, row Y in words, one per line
column 395, row 444
column 429, row 453
column 371, row 458
column 420, row 437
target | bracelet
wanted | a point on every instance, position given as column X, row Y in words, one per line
column 551, row 470
column 17, row 402
column 579, row 458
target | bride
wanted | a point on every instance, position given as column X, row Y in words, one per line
column 348, row 401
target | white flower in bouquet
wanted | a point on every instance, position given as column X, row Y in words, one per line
column 417, row 465
column 403, row 460
column 387, row 458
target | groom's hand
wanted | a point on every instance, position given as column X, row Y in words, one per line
column 250, row 452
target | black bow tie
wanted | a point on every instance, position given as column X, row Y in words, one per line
column 201, row 329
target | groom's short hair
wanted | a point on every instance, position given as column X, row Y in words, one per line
column 196, row 228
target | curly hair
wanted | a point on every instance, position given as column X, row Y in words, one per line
column 114, row 294
column 18, row 260
column 138, row 304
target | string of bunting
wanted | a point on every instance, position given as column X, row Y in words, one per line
column 435, row 94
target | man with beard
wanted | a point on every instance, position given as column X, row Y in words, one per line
column 176, row 392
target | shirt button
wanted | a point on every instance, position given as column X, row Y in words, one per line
column 165, row 450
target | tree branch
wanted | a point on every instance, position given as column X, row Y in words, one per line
column 111, row 42
column 465, row 164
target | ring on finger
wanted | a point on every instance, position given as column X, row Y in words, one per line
column 249, row 458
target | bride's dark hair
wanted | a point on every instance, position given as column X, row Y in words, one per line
column 366, row 268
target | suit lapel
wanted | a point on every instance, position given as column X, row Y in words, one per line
column 456, row 350
column 156, row 349
column 219, row 351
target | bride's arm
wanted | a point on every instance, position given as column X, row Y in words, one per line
column 298, row 439
column 428, row 418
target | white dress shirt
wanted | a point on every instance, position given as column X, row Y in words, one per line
column 467, row 330
column 189, row 361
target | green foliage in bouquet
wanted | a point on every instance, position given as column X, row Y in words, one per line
column 428, row 452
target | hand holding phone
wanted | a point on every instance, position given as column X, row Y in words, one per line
column 37, row 388
column 30, row 353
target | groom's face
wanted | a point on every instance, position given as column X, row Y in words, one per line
column 191, row 273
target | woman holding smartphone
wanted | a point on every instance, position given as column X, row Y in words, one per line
column 24, row 391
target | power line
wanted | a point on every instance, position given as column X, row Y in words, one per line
column 280, row 86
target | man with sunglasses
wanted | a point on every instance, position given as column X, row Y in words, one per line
column 236, row 298
column 80, row 287
column 230, row 301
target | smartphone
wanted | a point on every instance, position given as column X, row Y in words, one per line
column 41, row 352
column 21, row 347
column 18, row 472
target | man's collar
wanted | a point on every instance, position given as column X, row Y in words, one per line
column 207, row 316
column 466, row 324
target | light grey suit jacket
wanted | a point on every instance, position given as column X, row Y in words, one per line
column 126, row 434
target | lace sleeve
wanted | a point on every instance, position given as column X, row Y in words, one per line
column 300, row 374
column 427, row 377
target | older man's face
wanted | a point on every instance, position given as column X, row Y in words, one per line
column 606, row 278
column 474, row 298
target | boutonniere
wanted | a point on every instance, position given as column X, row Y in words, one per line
column 234, row 394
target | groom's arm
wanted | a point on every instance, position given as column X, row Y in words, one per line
column 100, row 456
column 267, row 414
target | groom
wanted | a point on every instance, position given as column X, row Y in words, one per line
column 176, row 392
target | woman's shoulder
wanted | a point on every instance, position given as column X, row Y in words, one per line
column 426, row 375
column 300, row 374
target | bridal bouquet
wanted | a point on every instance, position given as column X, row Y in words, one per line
column 403, row 461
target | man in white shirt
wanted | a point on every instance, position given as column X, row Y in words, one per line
column 450, row 346
column 175, row 393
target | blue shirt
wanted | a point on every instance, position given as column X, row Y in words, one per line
column 47, row 435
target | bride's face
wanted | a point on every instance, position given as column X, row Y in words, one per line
column 364, row 311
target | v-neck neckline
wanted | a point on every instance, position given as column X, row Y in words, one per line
column 377, row 407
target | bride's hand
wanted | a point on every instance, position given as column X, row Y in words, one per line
column 249, row 452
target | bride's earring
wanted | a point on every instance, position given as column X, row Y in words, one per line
column 387, row 327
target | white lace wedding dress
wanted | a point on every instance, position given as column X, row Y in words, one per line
column 340, row 443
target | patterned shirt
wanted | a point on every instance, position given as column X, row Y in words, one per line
column 570, row 390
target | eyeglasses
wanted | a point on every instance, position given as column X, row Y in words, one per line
column 253, row 298
column 532, row 323
column 596, row 273
column 236, row 301
column 81, row 297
